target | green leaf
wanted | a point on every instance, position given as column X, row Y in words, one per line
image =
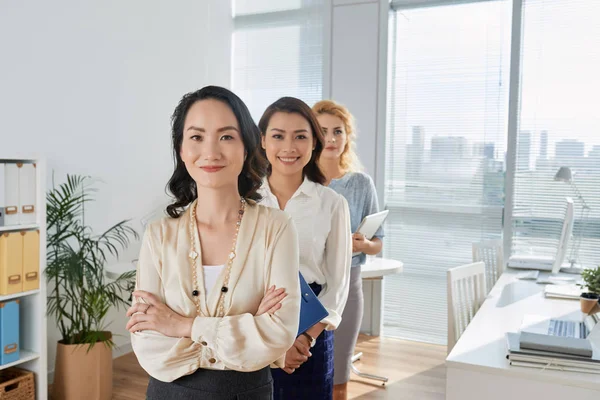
column 591, row 279
column 80, row 296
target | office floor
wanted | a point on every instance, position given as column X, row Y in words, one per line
column 415, row 370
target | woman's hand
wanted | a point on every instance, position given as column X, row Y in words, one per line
column 359, row 243
column 363, row 245
column 297, row 355
column 271, row 302
column 152, row 314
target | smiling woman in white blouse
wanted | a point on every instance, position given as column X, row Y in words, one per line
column 206, row 320
column 292, row 142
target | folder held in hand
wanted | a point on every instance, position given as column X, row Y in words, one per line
column 311, row 309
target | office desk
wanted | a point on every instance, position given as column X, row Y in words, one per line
column 477, row 367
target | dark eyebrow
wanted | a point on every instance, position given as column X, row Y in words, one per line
column 223, row 129
column 296, row 131
column 228, row 128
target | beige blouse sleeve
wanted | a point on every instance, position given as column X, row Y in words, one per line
column 241, row 342
column 337, row 263
column 248, row 343
column 162, row 357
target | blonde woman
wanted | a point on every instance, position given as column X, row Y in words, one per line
column 341, row 167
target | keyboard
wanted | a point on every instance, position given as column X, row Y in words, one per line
column 567, row 329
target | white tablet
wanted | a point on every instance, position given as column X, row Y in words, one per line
column 371, row 223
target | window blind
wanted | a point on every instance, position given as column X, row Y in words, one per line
column 445, row 150
column 558, row 124
column 277, row 51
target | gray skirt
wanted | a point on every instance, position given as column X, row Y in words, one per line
column 346, row 334
column 208, row 384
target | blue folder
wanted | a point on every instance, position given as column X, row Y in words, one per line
column 311, row 309
column 9, row 332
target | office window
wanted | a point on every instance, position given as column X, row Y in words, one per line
column 558, row 125
column 277, row 51
column 445, row 152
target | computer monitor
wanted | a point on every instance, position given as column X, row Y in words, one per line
column 565, row 236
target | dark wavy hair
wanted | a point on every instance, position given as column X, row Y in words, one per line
column 294, row 105
column 181, row 185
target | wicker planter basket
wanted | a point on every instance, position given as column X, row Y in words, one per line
column 16, row 384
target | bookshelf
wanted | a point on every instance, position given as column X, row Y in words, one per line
column 32, row 303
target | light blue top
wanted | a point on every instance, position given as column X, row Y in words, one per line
column 359, row 190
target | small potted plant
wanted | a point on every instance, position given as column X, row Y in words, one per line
column 591, row 281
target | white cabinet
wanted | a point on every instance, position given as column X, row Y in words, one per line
column 30, row 196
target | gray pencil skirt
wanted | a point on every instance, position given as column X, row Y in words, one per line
column 346, row 334
column 207, row 384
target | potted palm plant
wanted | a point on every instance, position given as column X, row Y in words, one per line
column 591, row 281
column 79, row 294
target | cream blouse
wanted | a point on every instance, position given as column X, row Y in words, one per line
column 267, row 254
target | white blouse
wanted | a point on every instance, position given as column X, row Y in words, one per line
column 267, row 254
column 322, row 220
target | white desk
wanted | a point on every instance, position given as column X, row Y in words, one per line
column 377, row 268
column 372, row 274
column 477, row 367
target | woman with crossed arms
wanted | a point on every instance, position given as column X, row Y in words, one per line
column 206, row 322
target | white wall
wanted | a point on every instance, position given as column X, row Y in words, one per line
column 358, row 67
column 91, row 86
column 357, row 58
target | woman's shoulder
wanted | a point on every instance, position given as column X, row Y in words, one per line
column 271, row 215
column 360, row 178
column 159, row 227
column 329, row 197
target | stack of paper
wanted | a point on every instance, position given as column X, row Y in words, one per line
column 563, row 291
column 527, row 358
